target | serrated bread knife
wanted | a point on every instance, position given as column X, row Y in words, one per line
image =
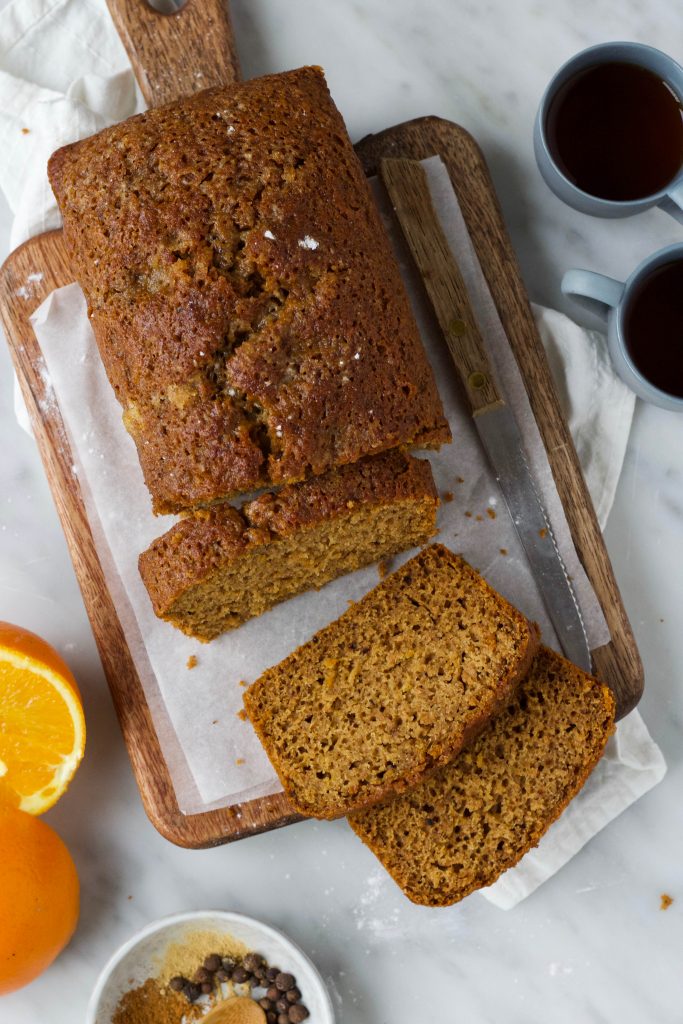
column 408, row 188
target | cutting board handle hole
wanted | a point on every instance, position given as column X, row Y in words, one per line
column 166, row 6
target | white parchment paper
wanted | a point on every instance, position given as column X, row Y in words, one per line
column 213, row 756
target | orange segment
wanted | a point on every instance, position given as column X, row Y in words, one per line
column 42, row 729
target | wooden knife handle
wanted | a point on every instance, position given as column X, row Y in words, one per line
column 174, row 55
column 408, row 188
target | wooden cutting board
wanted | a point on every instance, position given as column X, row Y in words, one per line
column 175, row 55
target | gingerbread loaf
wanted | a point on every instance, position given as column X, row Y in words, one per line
column 216, row 569
column 381, row 698
column 243, row 295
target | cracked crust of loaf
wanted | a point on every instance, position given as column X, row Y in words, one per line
column 215, row 569
column 245, row 301
column 280, row 697
column 401, row 833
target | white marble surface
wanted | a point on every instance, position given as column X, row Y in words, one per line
column 592, row 945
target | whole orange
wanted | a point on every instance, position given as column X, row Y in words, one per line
column 38, row 897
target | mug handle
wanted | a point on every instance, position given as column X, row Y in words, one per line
column 673, row 202
column 595, row 292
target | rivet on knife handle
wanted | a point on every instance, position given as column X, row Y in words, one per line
column 406, row 183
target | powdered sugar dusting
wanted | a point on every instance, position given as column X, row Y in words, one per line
column 372, row 915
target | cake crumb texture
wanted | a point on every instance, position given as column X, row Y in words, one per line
column 393, row 689
column 475, row 818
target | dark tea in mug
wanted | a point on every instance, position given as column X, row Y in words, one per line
column 615, row 130
column 653, row 327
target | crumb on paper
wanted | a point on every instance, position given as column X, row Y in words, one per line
column 491, row 513
column 243, row 682
column 480, row 519
column 215, row 722
column 665, row 901
column 25, row 131
column 350, row 603
column 242, row 714
column 448, row 496
column 460, row 480
column 383, row 567
column 308, row 243
column 192, row 661
column 543, row 533
column 130, row 897
column 503, row 551
column 240, row 760
column 468, row 514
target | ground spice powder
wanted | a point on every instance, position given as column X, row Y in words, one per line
column 151, row 1004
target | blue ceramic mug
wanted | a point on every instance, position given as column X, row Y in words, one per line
column 610, row 300
column 669, row 198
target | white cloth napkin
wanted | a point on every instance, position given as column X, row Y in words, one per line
column 63, row 75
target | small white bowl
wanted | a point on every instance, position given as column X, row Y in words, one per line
column 138, row 958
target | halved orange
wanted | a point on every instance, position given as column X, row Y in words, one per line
column 42, row 728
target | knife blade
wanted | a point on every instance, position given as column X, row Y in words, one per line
column 408, row 188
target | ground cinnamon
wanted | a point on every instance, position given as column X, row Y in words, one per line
column 151, row 1004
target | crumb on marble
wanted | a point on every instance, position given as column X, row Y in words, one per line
column 543, row 533
column 468, row 514
column 480, row 519
column 25, row 131
column 383, row 567
column 242, row 714
column 503, row 551
column 665, row 901
column 448, row 496
column 192, row 661
column 460, row 480
column 240, row 760
column 491, row 513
